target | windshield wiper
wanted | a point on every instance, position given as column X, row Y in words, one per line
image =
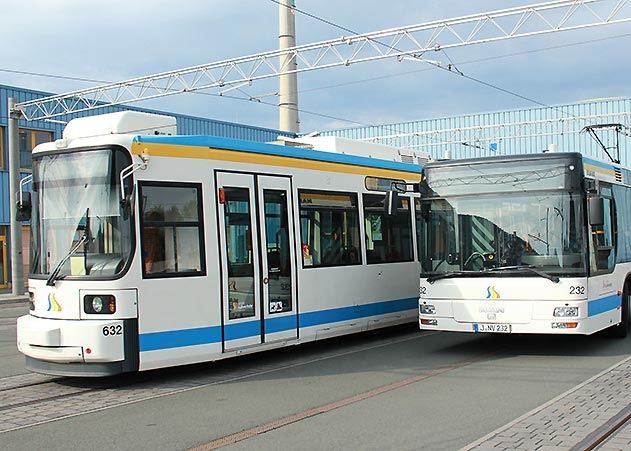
column 530, row 268
column 449, row 275
column 55, row 272
column 88, row 236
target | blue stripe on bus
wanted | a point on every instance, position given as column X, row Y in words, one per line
column 153, row 341
column 277, row 150
column 602, row 305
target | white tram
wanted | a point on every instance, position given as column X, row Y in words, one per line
column 151, row 250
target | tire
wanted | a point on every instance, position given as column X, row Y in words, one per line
column 621, row 330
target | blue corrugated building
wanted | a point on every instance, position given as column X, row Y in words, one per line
column 35, row 132
column 528, row 130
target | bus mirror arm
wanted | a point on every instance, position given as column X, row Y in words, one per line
column 391, row 203
column 23, row 205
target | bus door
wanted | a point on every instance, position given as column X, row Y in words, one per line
column 257, row 259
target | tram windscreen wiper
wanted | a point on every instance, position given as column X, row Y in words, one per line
column 449, row 275
column 55, row 272
column 529, row 268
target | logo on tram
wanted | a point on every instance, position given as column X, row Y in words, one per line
column 492, row 293
column 53, row 305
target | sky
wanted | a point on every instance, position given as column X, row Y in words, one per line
column 115, row 40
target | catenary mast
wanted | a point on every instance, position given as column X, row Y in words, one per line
column 287, row 82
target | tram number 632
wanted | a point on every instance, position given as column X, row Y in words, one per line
column 113, row 330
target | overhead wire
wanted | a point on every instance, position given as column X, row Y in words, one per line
column 448, row 69
column 452, row 67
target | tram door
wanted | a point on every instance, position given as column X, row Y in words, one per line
column 258, row 273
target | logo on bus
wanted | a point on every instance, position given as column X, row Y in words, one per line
column 492, row 293
column 53, row 304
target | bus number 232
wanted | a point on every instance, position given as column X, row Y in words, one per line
column 578, row 289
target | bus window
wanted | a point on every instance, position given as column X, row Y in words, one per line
column 604, row 255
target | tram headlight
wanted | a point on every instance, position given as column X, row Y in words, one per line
column 565, row 312
column 97, row 304
column 427, row 309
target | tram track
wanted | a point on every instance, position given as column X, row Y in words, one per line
column 598, row 439
column 240, row 436
column 44, row 391
column 38, row 400
column 26, row 380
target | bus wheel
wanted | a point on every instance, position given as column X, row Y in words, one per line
column 620, row 331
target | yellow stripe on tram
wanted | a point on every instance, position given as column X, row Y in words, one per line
column 600, row 170
column 169, row 150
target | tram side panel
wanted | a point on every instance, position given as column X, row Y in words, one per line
column 180, row 319
column 334, row 300
column 179, row 313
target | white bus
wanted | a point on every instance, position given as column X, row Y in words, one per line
column 536, row 243
column 151, row 250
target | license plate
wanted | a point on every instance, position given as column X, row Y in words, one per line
column 493, row 328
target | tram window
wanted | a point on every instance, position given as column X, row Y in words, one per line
column 239, row 252
column 329, row 227
column 172, row 229
column 388, row 239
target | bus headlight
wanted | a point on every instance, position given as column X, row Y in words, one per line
column 564, row 312
column 99, row 304
column 427, row 309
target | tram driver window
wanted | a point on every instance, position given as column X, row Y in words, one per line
column 329, row 228
column 388, row 239
column 172, row 229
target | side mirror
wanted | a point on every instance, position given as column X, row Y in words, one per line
column 126, row 205
column 596, row 207
column 391, row 203
column 23, row 207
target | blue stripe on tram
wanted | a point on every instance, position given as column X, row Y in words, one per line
column 170, row 339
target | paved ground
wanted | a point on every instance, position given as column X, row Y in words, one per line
column 571, row 419
column 568, row 421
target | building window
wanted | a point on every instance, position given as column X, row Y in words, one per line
column 2, row 157
column 388, row 239
column 172, row 229
column 27, row 140
column 329, row 227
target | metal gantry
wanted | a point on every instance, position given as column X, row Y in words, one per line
column 410, row 41
column 482, row 135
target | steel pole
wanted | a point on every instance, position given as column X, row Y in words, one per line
column 287, row 83
column 17, row 268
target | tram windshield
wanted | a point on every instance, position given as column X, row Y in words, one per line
column 79, row 227
column 503, row 218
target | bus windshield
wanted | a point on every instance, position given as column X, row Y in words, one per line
column 78, row 225
column 506, row 222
